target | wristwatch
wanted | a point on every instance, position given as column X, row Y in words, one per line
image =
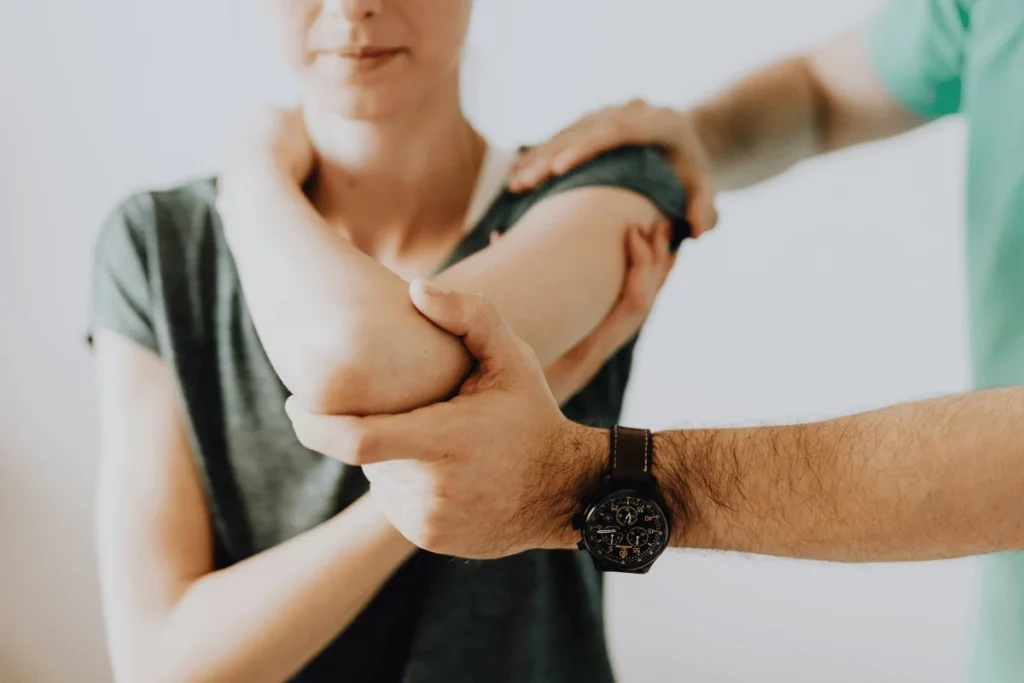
column 625, row 526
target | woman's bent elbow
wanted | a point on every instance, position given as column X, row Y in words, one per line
column 331, row 383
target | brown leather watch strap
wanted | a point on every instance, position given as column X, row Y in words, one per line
column 631, row 454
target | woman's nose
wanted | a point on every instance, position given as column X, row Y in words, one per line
column 353, row 10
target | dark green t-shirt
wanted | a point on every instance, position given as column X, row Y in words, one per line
column 164, row 277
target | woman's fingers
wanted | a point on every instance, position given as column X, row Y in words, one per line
column 640, row 254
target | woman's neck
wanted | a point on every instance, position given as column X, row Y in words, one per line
column 391, row 183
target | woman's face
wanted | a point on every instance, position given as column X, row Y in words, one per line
column 371, row 59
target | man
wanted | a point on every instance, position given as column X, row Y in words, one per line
column 913, row 62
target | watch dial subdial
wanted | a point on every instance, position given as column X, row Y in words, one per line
column 637, row 537
column 626, row 515
column 612, row 535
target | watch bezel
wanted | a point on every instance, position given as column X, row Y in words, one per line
column 606, row 563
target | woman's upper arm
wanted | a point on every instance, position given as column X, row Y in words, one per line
column 153, row 529
column 560, row 270
column 558, row 273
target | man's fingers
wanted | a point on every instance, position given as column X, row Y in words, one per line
column 534, row 167
column 573, row 147
column 576, row 144
column 473, row 318
column 701, row 213
column 635, row 123
column 368, row 440
column 597, row 139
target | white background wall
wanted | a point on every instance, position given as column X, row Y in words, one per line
column 834, row 288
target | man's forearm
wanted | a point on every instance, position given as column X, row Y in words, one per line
column 828, row 99
column 922, row 481
column 762, row 125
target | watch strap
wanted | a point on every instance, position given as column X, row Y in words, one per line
column 630, row 462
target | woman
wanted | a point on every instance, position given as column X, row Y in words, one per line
column 227, row 550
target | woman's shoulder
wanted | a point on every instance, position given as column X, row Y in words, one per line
column 181, row 213
column 156, row 248
column 642, row 169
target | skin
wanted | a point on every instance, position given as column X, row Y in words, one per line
column 338, row 257
column 927, row 480
column 826, row 100
column 499, row 470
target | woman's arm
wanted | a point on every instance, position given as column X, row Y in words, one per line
column 170, row 616
column 650, row 262
column 339, row 327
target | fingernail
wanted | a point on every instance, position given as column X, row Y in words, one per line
column 430, row 289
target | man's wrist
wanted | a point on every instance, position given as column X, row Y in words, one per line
column 583, row 452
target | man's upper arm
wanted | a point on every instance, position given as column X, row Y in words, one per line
column 917, row 49
column 853, row 104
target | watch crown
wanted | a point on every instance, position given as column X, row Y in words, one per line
column 577, row 522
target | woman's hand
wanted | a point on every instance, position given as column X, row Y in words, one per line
column 636, row 123
column 276, row 139
column 650, row 262
column 270, row 150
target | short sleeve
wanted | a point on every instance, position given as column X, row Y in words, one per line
column 641, row 169
column 121, row 298
column 917, row 48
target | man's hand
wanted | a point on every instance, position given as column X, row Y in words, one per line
column 494, row 471
column 636, row 123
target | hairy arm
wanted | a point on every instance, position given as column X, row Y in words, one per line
column 170, row 615
column 920, row 481
column 826, row 100
column 339, row 327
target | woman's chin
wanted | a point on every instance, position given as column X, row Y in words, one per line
column 362, row 104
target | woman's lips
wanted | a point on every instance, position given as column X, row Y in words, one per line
column 369, row 52
column 358, row 61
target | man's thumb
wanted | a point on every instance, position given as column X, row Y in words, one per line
column 471, row 317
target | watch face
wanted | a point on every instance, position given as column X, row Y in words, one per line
column 626, row 530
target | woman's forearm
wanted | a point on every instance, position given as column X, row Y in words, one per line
column 265, row 618
column 339, row 327
column 328, row 315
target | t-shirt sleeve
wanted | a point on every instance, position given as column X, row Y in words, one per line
column 917, row 48
column 121, row 296
column 641, row 169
